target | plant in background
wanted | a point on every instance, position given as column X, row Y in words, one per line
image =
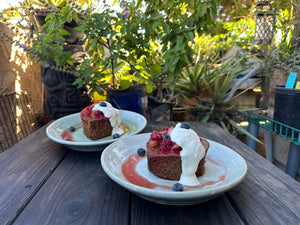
column 147, row 42
column 209, row 82
column 47, row 3
column 155, row 38
column 51, row 45
column 47, row 43
column 240, row 32
column 102, row 49
column 191, row 79
column 280, row 54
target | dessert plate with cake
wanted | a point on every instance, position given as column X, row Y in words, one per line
column 95, row 127
column 173, row 166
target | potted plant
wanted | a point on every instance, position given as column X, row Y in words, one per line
column 44, row 10
column 58, row 56
column 141, row 46
column 139, row 42
column 208, row 91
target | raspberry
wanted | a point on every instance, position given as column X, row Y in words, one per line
column 155, row 136
column 170, row 130
column 97, row 113
column 165, row 129
column 166, row 145
column 89, row 109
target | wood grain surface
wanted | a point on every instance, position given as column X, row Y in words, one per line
column 42, row 182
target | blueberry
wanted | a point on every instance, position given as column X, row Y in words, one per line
column 116, row 136
column 141, row 152
column 185, row 125
column 177, row 187
column 72, row 129
column 165, row 136
column 103, row 104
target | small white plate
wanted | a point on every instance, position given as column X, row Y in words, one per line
column 134, row 123
column 221, row 161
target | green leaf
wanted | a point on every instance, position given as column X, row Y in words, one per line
column 125, row 84
column 190, row 36
column 201, row 8
column 166, row 28
column 63, row 32
column 155, row 24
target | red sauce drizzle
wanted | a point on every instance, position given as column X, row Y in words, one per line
column 212, row 161
column 129, row 171
column 67, row 135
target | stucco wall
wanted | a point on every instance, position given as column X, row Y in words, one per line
column 17, row 70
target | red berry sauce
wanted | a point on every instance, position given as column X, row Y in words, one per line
column 90, row 113
column 128, row 169
column 67, row 135
column 164, row 146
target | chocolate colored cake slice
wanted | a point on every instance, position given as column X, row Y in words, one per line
column 164, row 159
column 95, row 124
column 96, row 128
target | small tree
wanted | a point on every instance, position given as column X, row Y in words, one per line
column 152, row 39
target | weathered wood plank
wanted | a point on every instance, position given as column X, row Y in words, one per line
column 24, row 168
column 217, row 211
column 256, row 205
column 78, row 192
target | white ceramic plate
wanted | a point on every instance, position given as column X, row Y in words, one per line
column 133, row 122
column 221, row 161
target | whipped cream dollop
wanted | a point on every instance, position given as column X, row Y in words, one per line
column 114, row 116
column 191, row 154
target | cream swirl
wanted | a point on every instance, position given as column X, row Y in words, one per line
column 191, row 154
column 114, row 116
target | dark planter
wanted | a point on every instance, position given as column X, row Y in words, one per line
column 135, row 98
column 61, row 96
column 286, row 108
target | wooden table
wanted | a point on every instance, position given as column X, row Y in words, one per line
column 42, row 182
